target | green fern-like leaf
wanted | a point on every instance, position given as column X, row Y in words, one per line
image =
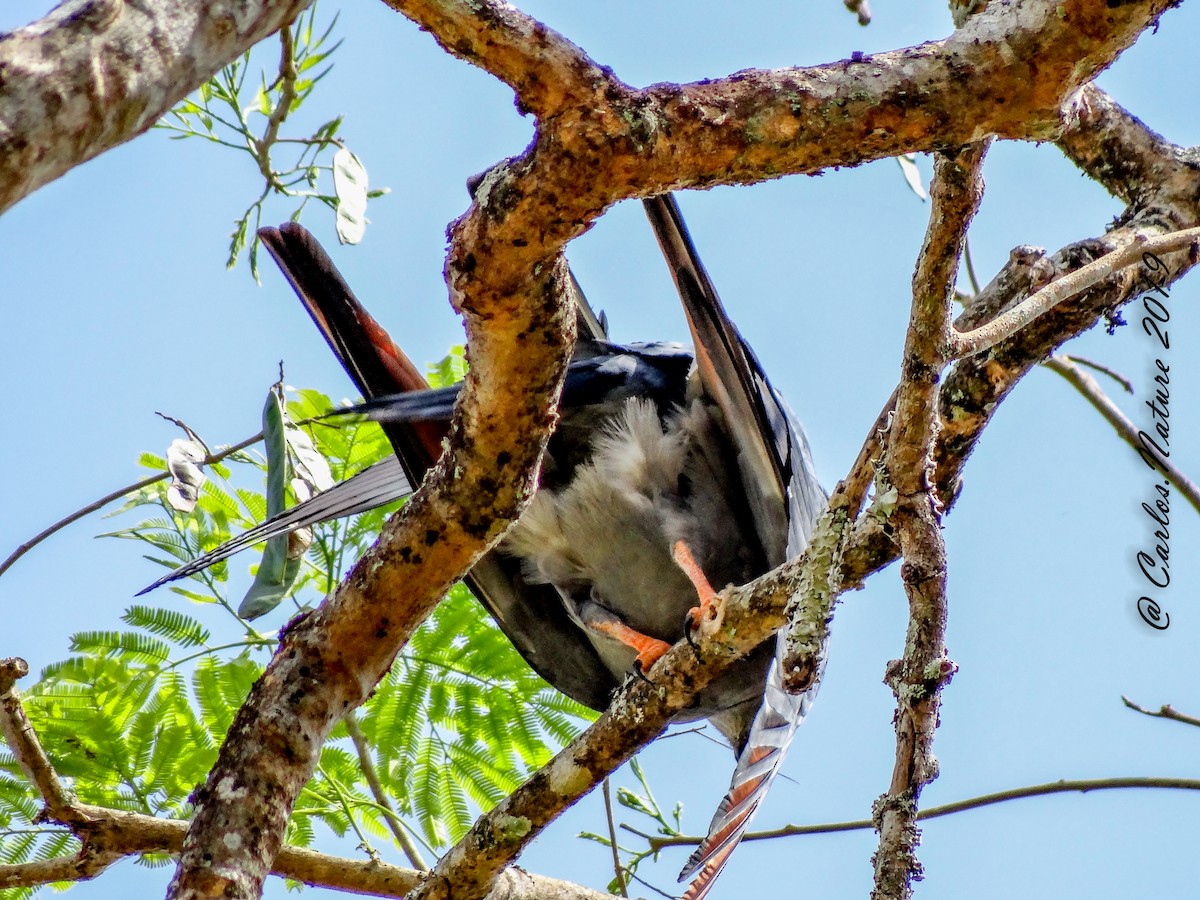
column 457, row 724
column 255, row 503
column 133, row 645
column 175, row 626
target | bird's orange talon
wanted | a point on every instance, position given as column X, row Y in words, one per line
column 639, row 671
column 652, row 652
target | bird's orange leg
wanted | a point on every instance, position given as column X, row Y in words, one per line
column 648, row 649
column 710, row 607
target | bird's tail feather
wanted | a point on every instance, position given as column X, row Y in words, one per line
column 770, row 736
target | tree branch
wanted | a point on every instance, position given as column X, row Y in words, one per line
column 329, row 661
column 547, row 71
column 1037, row 790
column 1117, row 150
column 1163, row 712
column 1008, row 323
column 918, row 678
column 759, row 124
column 810, row 610
column 116, row 495
column 1112, row 373
column 618, row 869
column 117, row 68
column 367, row 763
column 1125, row 429
column 23, row 742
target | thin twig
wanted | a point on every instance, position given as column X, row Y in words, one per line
column 192, row 436
column 644, row 883
column 367, row 763
column 862, row 474
column 115, row 495
column 1126, row 430
column 339, row 795
column 970, row 266
column 287, row 94
column 1037, row 790
column 137, row 486
column 612, row 839
column 1166, row 711
column 1112, row 373
column 1009, row 323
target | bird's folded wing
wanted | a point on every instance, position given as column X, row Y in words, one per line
column 770, row 736
column 785, row 499
column 730, row 375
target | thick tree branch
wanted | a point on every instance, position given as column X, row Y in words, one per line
column 810, row 610
column 328, row 662
column 110, row 836
column 760, row 124
column 547, row 72
column 95, row 73
column 1131, row 161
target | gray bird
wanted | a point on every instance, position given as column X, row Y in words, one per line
column 667, row 471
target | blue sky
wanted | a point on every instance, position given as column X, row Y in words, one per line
column 119, row 304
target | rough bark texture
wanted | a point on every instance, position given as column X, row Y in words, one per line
column 917, row 679
column 329, row 661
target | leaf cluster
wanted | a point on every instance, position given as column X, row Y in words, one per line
column 234, row 111
column 132, row 719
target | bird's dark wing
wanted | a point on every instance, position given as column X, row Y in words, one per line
column 773, row 453
column 374, row 486
column 532, row 616
column 604, row 375
column 364, row 348
column 785, row 499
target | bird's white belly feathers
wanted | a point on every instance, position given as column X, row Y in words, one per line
column 604, row 540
